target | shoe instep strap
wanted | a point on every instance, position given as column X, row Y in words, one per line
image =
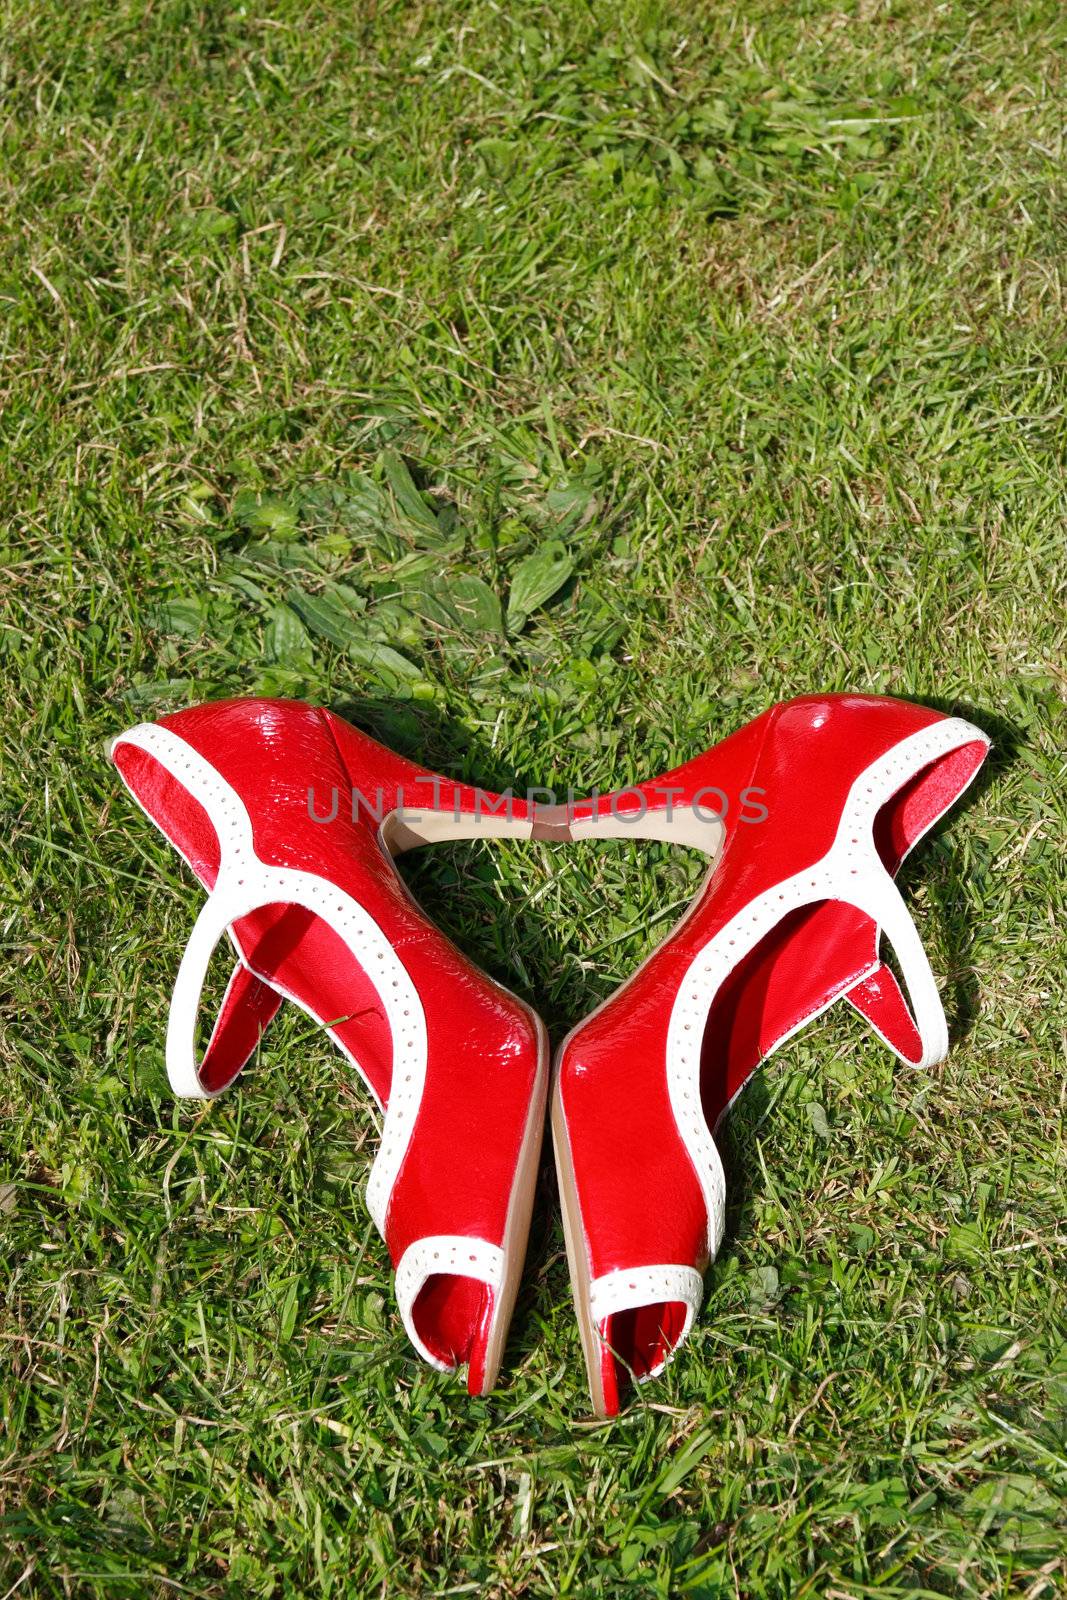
column 259, row 885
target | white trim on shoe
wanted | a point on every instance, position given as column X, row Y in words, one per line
column 850, row 871
column 628, row 1287
column 450, row 1253
column 246, row 884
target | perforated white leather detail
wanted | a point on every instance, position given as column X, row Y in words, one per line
column 245, row 884
column 641, row 1286
column 851, row 871
column 646, row 1286
column 453, row 1253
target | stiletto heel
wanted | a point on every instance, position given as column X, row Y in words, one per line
column 807, row 814
column 306, row 889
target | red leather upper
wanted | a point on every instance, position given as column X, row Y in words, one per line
column 641, row 1201
column 482, row 1043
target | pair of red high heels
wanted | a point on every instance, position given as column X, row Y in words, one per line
column 291, row 818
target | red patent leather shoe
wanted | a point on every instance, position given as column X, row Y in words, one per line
column 818, row 801
column 289, row 817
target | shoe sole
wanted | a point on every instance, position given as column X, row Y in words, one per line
column 520, row 1211
column 574, row 1239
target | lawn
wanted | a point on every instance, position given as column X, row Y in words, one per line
column 309, row 315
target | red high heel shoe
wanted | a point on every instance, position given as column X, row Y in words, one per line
column 289, row 817
column 819, row 800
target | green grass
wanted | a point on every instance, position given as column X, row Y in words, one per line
column 757, row 313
